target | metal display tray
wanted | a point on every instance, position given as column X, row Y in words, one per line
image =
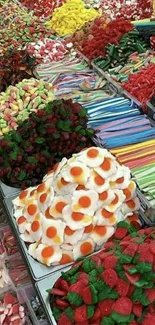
column 37, row 270
column 41, row 287
column 7, row 191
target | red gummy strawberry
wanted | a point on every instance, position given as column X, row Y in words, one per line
column 133, row 277
column 110, row 277
column 122, row 287
column 104, row 254
column 62, row 303
column 137, row 309
column 80, row 314
column 97, row 314
column 76, row 287
column 150, row 293
column 149, row 319
column 108, row 245
column 120, row 233
column 86, row 295
column 123, row 306
column 64, row 320
column 57, row 292
column 106, row 307
column 131, row 249
column 64, row 285
column 83, row 278
column 110, row 262
column 145, row 254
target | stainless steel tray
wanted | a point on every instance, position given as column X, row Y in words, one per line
column 37, row 270
column 41, row 288
column 8, row 191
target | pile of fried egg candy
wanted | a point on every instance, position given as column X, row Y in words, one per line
column 76, row 208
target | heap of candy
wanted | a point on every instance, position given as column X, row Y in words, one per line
column 14, row 67
column 98, row 37
column 49, row 134
column 118, row 54
column 49, row 50
column 76, row 208
column 11, row 312
column 115, row 286
column 70, row 17
column 18, row 26
column 131, row 9
column 42, row 8
column 18, row 101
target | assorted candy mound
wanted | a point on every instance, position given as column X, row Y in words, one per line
column 18, row 27
column 43, row 8
column 99, row 37
column 48, row 135
column 127, row 9
column 118, row 54
column 70, row 17
column 18, row 101
column 49, row 50
column 76, row 208
column 14, row 67
column 115, row 286
column 11, row 312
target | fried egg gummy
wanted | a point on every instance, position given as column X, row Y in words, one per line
column 76, row 208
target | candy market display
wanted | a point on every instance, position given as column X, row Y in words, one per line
column 77, row 162
column 75, row 210
column 70, row 17
column 18, row 101
column 115, row 286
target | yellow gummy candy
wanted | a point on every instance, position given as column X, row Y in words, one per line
column 70, row 17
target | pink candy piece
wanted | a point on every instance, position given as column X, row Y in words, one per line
column 15, row 309
column 9, row 299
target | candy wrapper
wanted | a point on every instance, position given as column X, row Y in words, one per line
column 76, row 208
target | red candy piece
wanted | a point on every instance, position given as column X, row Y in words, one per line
column 64, row 320
column 122, row 287
column 137, row 309
column 87, row 296
column 9, row 299
column 110, row 262
column 120, row 233
column 150, row 293
column 106, row 307
column 110, row 277
column 80, row 314
column 123, row 306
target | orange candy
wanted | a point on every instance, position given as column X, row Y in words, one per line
column 85, row 201
column 59, row 206
column 76, row 171
column 41, row 188
column 86, row 248
column 21, row 220
column 131, row 204
column 120, row 180
column 92, row 153
column 116, row 199
column 68, row 231
column 103, row 196
column 99, row 180
column 88, row 229
column 32, row 209
column 23, row 195
column 51, row 232
column 77, row 216
column 101, row 230
column 47, row 252
column 106, row 214
column 106, row 164
column 65, row 259
column 35, row 226
column 63, row 182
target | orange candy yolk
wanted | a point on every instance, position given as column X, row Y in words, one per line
column 85, row 201
column 23, row 195
column 99, row 180
column 88, row 229
column 41, row 188
column 21, row 220
column 65, row 259
column 106, row 165
column 131, row 204
column 107, row 214
column 100, row 230
column 63, row 182
column 103, row 196
column 92, row 153
column 43, row 198
column 86, row 248
column 68, row 231
column 32, row 209
column 116, row 199
column 77, row 216
column 47, row 252
column 76, row 171
column 51, row 232
column 35, row 226
column 59, row 206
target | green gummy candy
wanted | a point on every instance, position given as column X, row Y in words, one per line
column 120, row 318
column 107, row 321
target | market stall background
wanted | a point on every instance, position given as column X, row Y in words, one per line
column 70, row 52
